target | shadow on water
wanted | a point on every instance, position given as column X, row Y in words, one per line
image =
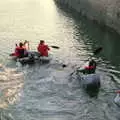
column 92, row 91
column 94, row 35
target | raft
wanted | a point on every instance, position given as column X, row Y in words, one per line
column 32, row 57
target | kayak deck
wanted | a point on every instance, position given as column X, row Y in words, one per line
column 90, row 83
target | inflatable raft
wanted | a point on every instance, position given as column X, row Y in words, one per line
column 32, row 57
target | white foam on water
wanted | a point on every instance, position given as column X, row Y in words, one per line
column 11, row 83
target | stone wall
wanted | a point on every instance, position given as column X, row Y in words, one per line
column 106, row 12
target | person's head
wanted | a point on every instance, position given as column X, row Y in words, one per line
column 92, row 63
column 42, row 41
column 25, row 42
column 20, row 44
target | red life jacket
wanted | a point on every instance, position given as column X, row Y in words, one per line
column 43, row 49
column 89, row 67
column 19, row 52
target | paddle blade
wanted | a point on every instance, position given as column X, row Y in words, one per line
column 97, row 51
column 56, row 47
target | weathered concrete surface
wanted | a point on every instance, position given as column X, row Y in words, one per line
column 106, row 12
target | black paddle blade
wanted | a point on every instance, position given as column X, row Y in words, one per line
column 98, row 50
column 56, row 47
column 64, row 65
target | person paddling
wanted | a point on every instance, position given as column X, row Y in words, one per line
column 26, row 45
column 15, row 54
column 43, row 48
column 89, row 68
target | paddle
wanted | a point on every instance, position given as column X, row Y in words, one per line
column 97, row 51
column 111, row 91
column 53, row 46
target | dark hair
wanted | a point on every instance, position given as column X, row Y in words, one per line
column 20, row 44
column 42, row 41
column 25, row 41
column 92, row 63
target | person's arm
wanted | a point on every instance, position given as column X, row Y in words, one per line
column 38, row 48
column 28, row 46
column 48, row 47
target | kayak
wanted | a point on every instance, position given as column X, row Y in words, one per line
column 90, row 82
column 32, row 57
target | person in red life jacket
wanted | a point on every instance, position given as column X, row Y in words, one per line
column 43, row 48
column 26, row 45
column 90, row 68
column 20, row 50
column 15, row 53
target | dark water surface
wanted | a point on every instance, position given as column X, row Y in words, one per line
column 46, row 92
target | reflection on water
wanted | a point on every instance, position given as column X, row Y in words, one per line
column 11, row 82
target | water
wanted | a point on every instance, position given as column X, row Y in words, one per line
column 47, row 92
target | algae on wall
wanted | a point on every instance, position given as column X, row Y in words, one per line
column 104, row 11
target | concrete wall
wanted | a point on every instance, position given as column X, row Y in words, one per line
column 104, row 11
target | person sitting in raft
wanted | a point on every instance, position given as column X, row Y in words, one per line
column 43, row 48
column 26, row 45
column 90, row 68
column 16, row 52
column 20, row 51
